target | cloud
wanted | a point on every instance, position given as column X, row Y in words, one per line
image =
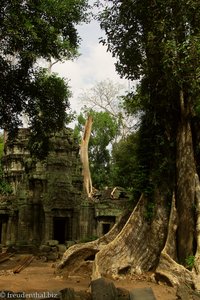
column 94, row 64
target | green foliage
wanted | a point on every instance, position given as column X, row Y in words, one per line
column 163, row 32
column 31, row 30
column 104, row 132
column 5, row 188
column 190, row 261
column 134, row 102
column 124, row 162
column 155, row 156
column 143, row 159
column 47, row 109
column 163, row 38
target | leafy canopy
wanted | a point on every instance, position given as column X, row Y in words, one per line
column 30, row 30
column 157, row 42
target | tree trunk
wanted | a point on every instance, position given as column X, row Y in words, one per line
column 168, row 269
column 87, row 181
column 134, row 248
column 137, row 247
column 196, row 267
column 181, row 240
column 78, row 254
column 185, row 193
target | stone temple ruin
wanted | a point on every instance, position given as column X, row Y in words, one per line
column 48, row 202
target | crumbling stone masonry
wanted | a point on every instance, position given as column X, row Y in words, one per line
column 47, row 201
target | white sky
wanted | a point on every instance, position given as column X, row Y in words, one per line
column 93, row 65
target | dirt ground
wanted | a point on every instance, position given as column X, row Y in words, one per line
column 40, row 276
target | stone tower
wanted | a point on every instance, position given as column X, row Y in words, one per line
column 48, row 201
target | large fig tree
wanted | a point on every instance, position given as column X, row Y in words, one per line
column 157, row 43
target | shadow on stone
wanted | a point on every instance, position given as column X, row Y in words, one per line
column 67, row 294
column 102, row 289
column 70, row 294
column 142, row 294
column 123, row 294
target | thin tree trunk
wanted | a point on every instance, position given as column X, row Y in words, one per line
column 197, row 255
column 168, row 269
column 87, row 181
column 196, row 267
column 185, row 194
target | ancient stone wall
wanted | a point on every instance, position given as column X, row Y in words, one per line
column 48, row 201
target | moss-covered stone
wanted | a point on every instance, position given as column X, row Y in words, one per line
column 48, row 202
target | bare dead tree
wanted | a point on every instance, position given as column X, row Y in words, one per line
column 105, row 96
column 87, row 180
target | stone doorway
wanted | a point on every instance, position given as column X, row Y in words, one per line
column 105, row 228
column 104, row 224
column 3, row 228
column 61, row 229
column 0, row 231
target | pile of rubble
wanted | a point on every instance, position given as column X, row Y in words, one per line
column 51, row 250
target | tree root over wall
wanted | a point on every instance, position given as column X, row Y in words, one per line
column 127, row 248
column 75, row 257
column 138, row 246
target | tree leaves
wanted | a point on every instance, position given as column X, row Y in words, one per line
column 156, row 42
column 30, row 30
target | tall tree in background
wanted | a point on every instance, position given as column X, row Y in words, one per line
column 104, row 131
column 30, row 30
